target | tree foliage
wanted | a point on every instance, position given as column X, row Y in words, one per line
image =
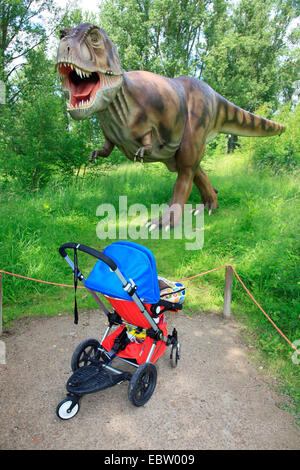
column 284, row 157
column 23, row 25
column 38, row 139
column 252, row 62
column 248, row 51
column 243, row 51
column 163, row 36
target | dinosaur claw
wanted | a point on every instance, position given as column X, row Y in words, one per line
column 194, row 211
column 153, row 226
column 209, row 212
column 167, row 228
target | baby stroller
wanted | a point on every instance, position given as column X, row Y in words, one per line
column 126, row 275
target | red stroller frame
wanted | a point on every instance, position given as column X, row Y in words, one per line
column 91, row 360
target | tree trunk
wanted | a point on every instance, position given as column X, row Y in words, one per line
column 232, row 143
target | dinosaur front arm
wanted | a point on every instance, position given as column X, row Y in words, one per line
column 146, row 148
column 104, row 152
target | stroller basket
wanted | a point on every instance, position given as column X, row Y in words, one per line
column 125, row 274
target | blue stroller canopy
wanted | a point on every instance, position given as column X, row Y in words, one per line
column 135, row 262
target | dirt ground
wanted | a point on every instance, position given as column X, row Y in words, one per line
column 215, row 399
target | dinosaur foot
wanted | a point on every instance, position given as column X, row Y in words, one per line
column 171, row 217
column 158, row 224
column 206, row 206
column 195, row 211
column 211, row 206
column 210, row 202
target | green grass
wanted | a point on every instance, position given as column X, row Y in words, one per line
column 255, row 229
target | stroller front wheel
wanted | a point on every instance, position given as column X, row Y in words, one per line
column 67, row 408
column 142, row 384
column 175, row 355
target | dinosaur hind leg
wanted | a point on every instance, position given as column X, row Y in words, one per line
column 173, row 213
column 207, row 192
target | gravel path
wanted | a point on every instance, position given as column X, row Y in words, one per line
column 214, row 399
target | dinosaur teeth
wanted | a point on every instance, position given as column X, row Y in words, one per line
column 82, row 73
column 82, row 104
column 108, row 78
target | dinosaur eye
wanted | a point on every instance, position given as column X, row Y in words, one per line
column 63, row 33
column 96, row 39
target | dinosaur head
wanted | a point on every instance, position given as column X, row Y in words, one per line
column 89, row 65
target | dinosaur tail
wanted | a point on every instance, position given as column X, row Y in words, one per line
column 237, row 121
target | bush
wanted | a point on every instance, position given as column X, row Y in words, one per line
column 278, row 154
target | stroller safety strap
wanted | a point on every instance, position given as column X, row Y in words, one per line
column 78, row 274
column 75, row 285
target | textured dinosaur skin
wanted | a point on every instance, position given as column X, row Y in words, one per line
column 150, row 117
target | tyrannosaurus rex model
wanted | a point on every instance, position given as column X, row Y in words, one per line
column 150, row 117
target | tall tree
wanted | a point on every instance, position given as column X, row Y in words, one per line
column 251, row 63
column 162, row 36
column 37, row 140
column 241, row 49
column 23, row 25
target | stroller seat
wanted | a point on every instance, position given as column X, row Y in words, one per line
column 158, row 295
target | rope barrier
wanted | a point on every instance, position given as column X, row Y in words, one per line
column 251, row 297
column 39, row 280
column 180, row 280
column 206, row 272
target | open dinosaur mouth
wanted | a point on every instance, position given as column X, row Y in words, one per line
column 83, row 85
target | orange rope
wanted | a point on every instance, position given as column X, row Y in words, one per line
column 39, row 280
column 267, row 316
column 184, row 279
column 202, row 274
column 250, row 295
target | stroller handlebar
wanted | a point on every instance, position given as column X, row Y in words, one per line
column 90, row 251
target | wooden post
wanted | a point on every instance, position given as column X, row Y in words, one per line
column 227, row 292
column 1, row 292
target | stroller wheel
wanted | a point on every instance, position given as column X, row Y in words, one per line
column 68, row 408
column 175, row 355
column 85, row 353
column 142, row 384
